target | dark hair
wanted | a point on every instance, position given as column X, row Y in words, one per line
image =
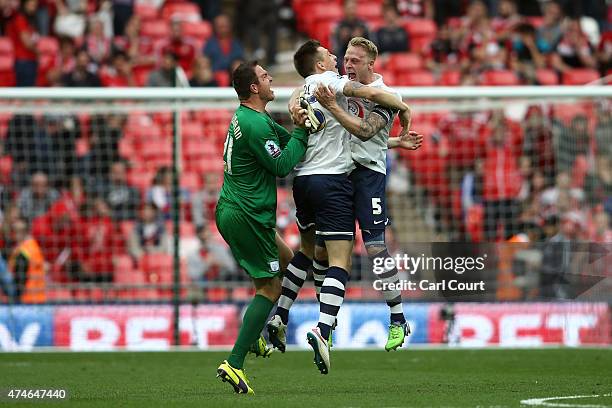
column 242, row 79
column 525, row 28
column 306, row 57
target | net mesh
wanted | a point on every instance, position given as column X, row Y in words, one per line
column 90, row 184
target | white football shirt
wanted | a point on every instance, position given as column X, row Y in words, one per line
column 329, row 150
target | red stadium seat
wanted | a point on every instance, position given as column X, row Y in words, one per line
column 6, row 167
column 415, row 78
column 156, row 153
column 322, row 31
column 191, row 181
column 197, row 149
column 48, row 45
column 450, row 78
column 145, row 11
column 369, row 11
column 7, row 63
column 420, row 27
column 181, row 11
column 156, row 29
column 214, row 117
column 6, row 46
column 192, row 130
column 403, row 62
column 197, row 29
column 580, row 76
column 222, row 78
column 499, row 78
column 140, row 177
column 547, row 77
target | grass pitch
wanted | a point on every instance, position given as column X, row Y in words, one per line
column 408, row 378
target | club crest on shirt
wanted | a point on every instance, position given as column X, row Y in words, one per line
column 355, row 108
column 272, row 148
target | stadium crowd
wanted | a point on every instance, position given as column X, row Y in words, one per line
column 94, row 190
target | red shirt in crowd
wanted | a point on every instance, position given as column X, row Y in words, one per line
column 20, row 25
column 185, row 52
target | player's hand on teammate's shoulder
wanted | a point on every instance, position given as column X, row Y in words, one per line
column 325, row 96
column 298, row 116
column 411, row 141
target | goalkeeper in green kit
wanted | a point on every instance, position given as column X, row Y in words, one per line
column 256, row 151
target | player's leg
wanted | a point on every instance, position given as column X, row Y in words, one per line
column 335, row 225
column 284, row 252
column 297, row 269
column 370, row 210
column 320, row 265
column 255, row 250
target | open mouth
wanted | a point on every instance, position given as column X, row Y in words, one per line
column 351, row 76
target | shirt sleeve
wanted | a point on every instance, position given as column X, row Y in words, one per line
column 335, row 81
column 265, row 145
column 283, row 134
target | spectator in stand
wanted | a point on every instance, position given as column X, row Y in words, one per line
column 602, row 232
column 27, row 145
column 414, row 8
column 62, row 131
column 202, row 73
column 7, row 13
column 558, row 199
column 165, row 75
column 443, row 53
column 573, row 50
column 222, row 48
column 550, row 32
column 572, row 142
column 82, row 75
column 604, row 54
column 502, row 178
column 350, row 26
column 603, row 130
column 538, row 143
column 180, row 46
column 123, row 199
column 507, row 20
column 70, row 20
column 64, row 62
column 36, row 199
column 27, row 266
column 7, row 283
column 211, row 260
column 204, row 201
column 119, row 74
column 122, row 12
column 139, row 49
column 254, row 21
column 557, row 258
column 100, row 241
column 106, row 131
column 160, row 193
column 532, row 206
column 392, row 36
column 526, row 57
column 97, row 44
column 598, row 183
column 149, row 234
column 22, row 32
column 480, row 48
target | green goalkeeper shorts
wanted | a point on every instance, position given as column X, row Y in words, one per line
column 253, row 245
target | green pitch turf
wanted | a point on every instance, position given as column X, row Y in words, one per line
column 408, row 378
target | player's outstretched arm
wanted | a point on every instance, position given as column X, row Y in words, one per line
column 381, row 97
column 410, row 141
column 362, row 128
column 265, row 146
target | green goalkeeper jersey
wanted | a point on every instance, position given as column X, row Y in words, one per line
column 256, row 151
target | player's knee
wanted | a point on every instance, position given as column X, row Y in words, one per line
column 320, row 253
column 271, row 289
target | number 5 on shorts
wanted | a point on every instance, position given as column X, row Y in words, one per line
column 376, row 208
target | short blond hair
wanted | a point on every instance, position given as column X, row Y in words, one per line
column 370, row 48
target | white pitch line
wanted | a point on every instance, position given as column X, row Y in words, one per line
column 543, row 402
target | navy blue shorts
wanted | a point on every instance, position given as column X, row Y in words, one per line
column 325, row 202
column 369, row 198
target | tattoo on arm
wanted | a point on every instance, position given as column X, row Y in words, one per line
column 370, row 125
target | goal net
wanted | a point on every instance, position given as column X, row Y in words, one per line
column 109, row 196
